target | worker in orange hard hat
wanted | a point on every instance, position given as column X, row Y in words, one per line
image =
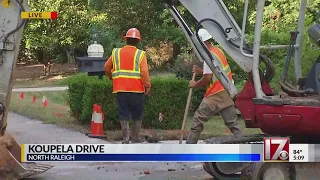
column 133, row 33
column 128, row 69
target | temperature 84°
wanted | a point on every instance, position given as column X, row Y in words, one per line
column 297, row 151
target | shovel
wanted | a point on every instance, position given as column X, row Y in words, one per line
column 186, row 111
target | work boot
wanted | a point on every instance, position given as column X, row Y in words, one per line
column 125, row 132
column 196, row 129
column 236, row 131
column 136, row 132
column 193, row 136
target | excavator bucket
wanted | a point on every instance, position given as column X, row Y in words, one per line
column 10, row 161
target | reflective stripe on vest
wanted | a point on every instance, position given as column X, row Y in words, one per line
column 134, row 73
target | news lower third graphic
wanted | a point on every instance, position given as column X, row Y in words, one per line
column 139, row 153
column 270, row 150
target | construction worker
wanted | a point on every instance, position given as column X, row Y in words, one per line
column 216, row 99
column 128, row 69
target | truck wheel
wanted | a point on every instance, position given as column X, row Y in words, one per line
column 277, row 171
column 269, row 171
column 212, row 169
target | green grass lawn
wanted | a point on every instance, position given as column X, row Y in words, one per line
column 56, row 112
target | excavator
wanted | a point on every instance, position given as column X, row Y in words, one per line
column 293, row 114
column 11, row 31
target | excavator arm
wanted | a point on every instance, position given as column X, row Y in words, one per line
column 10, row 37
column 11, row 31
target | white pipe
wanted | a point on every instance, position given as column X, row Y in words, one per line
column 244, row 21
column 256, row 50
column 297, row 54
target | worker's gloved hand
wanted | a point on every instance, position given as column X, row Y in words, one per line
column 148, row 91
column 196, row 69
column 192, row 83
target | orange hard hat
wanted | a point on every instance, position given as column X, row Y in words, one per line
column 133, row 33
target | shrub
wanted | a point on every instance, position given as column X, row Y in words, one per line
column 76, row 90
column 169, row 96
column 100, row 92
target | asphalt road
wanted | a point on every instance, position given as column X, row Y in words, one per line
column 26, row 131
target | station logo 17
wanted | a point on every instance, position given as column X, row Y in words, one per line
column 276, row 149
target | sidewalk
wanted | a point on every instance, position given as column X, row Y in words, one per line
column 40, row 89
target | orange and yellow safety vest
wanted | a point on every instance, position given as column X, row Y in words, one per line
column 215, row 86
column 126, row 75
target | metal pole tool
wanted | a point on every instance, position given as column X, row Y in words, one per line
column 186, row 111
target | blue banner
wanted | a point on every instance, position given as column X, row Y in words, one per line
column 146, row 157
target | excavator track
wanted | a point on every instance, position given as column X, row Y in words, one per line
column 254, row 171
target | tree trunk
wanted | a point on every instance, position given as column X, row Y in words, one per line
column 47, row 68
column 176, row 50
column 43, row 58
column 71, row 60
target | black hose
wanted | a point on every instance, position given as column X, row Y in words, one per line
column 287, row 62
column 267, row 61
column 20, row 25
column 184, row 24
column 293, row 92
column 286, row 87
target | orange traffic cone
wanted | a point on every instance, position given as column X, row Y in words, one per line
column 94, row 111
column 97, row 123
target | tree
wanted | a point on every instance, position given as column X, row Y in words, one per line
column 56, row 40
column 150, row 17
